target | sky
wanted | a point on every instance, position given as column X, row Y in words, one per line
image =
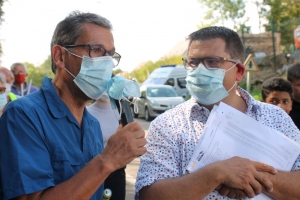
column 143, row 29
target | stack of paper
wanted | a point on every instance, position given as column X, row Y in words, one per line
column 229, row 132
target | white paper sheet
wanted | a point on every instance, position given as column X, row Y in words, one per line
column 229, row 133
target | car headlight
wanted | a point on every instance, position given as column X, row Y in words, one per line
column 154, row 103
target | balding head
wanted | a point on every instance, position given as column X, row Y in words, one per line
column 8, row 75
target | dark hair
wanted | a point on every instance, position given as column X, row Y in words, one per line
column 69, row 30
column 293, row 72
column 234, row 45
column 275, row 84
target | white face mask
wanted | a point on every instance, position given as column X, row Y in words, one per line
column 8, row 88
column 104, row 97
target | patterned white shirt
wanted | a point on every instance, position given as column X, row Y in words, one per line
column 173, row 136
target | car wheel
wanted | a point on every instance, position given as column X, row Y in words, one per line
column 133, row 113
column 147, row 115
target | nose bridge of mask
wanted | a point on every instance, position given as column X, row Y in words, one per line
column 207, row 75
column 94, row 75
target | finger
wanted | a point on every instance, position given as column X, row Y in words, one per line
column 120, row 126
column 265, row 168
column 264, row 181
column 257, row 187
column 139, row 151
column 219, row 187
column 140, row 142
column 224, row 190
column 133, row 126
column 249, row 191
column 139, row 134
column 237, row 194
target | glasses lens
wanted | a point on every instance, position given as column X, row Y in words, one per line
column 191, row 63
column 116, row 58
column 2, row 90
column 212, row 62
column 96, row 51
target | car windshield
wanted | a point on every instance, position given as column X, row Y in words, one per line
column 161, row 92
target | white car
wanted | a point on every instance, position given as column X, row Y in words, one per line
column 156, row 99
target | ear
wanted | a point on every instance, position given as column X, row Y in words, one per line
column 240, row 71
column 57, row 56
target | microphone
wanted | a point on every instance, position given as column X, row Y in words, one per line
column 126, row 115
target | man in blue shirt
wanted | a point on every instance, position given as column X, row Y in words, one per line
column 50, row 146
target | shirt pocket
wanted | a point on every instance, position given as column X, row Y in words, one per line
column 72, row 155
column 66, row 162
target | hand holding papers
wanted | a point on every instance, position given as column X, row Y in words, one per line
column 230, row 133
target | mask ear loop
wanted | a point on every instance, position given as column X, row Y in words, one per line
column 135, row 106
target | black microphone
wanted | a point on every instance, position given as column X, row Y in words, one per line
column 126, row 115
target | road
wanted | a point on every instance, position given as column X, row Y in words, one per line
column 132, row 168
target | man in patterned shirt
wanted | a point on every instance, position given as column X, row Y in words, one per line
column 214, row 65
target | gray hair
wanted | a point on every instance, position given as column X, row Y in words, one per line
column 69, row 30
column 2, row 79
column 12, row 67
column 234, row 45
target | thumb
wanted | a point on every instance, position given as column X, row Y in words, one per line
column 120, row 126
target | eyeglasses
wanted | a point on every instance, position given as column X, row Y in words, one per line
column 96, row 50
column 211, row 62
column 2, row 90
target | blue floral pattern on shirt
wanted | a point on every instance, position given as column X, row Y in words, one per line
column 173, row 136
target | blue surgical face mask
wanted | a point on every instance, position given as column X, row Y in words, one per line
column 206, row 86
column 94, row 75
column 119, row 88
column 3, row 100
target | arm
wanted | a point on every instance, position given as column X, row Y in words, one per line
column 236, row 172
column 122, row 148
column 161, row 169
column 286, row 185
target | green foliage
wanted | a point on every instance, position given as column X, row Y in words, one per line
column 285, row 15
column 1, row 19
column 117, row 71
column 222, row 10
column 144, row 71
column 37, row 73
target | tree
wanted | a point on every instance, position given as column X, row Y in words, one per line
column 1, row 19
column 224, row 10
column 143, row 72
column 117, row 71
column 36, row 74
column 285, row 16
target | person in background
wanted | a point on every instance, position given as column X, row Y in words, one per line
column 9, row 78
column 278, row 92
column 101, row 109
column 3, row 97
column 215, row 65
column 55, row 150
column 293, row 76
column 20, row 87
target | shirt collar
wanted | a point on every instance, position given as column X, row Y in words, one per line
column 56, row 106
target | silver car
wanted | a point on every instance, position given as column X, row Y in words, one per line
column 156, row 99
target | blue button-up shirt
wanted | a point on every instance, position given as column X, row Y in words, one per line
column 42, row 144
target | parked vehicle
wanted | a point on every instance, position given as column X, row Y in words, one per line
column 173, row 75
column 156, row 99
